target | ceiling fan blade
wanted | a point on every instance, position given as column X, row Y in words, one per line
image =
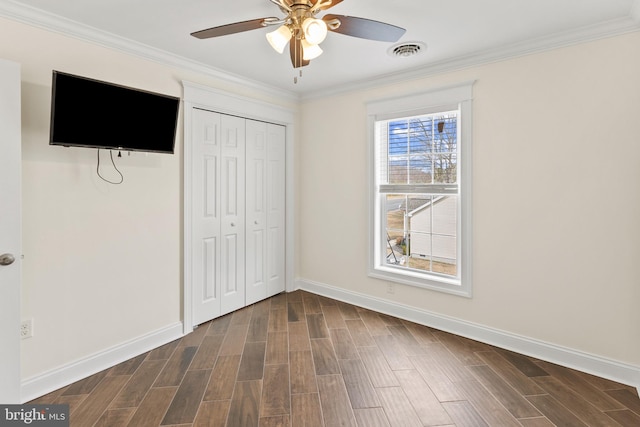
column 295, row 48
column 236, row 27
column 365, row 28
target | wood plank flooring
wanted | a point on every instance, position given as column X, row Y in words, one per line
column 302, row 360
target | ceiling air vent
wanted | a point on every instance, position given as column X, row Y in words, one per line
column 407, row 49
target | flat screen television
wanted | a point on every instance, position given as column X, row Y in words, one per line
column 92, row 113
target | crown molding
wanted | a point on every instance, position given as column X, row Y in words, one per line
column 58, row 24
column 635, row 11
column 611, row 28
column 55, row 23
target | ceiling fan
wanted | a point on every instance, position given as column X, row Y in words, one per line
column 304, row 32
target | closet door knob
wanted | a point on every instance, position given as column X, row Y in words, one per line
column 7, row 259
column 233, row 224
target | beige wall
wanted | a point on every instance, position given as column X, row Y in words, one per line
column 102, row 263
column 556, row 210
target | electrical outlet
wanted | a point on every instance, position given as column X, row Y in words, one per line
column 26, row 329
column 391, row 288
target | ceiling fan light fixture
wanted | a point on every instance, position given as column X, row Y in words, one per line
column 310, row 51
column 303, row 32
column 315, row 30
column 279, row 38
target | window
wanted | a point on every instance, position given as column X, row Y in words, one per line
column 420, row 188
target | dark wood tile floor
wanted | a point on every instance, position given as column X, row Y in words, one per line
column 303, row 360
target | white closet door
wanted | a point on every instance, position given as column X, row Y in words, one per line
column 206, row 212
column 275, row 182
column 265, row 210
column 238, row 213
column 256, row 204
column 232, row 221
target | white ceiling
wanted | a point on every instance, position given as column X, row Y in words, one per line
column 457, row 33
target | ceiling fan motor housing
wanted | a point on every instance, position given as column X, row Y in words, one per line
column 299, row 13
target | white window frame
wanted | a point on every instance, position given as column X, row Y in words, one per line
column 443, row 99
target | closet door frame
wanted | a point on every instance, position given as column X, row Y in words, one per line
column 207, row 98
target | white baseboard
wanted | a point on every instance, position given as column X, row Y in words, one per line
column 575, row 359
column 39, row 385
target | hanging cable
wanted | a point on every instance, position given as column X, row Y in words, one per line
column 114, row 166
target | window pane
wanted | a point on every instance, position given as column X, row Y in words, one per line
column 420, row 214
column 398, row 172
column 445, row 210
column 420, row 150
column 445, row 168
column 394, row 206
column 444, row 255
column 420, row 135
column 419, row 230
column 398, row 152
column 420, row 245
column 420, row 169
column 445, row 135
column 445, row 230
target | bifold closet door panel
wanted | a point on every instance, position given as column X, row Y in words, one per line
column 256, row 211
column 276, row 204
column 265, row 207
column 232, row 220
column 205, row 215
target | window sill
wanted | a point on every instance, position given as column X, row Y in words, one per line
column 425, row 281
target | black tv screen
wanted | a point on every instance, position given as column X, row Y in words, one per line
column 92, row 113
